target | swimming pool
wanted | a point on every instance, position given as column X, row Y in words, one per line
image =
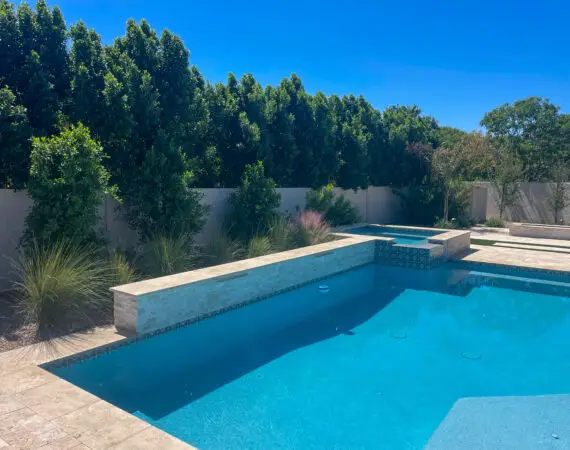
column 402, row 235
column 372, row 358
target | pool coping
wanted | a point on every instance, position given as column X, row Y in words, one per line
column 221, row 271
column 536, row 230
column 441, row 234
column 453, row 241
column 37, row 408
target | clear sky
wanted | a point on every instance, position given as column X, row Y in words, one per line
column 456, row 59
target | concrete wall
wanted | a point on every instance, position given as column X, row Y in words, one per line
column 375, row 204
column 532, row 207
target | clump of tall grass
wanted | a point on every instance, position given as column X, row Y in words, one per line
column 62, row 285
column 259, row 246
column 122, row 271
column 495, row 222
column 280, row 233
column 222, row 249
column 167, row 254
column 309, row 228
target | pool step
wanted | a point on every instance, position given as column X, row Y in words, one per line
column 518, row 283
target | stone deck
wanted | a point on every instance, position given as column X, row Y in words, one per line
column 531, row 259
column 502, row 235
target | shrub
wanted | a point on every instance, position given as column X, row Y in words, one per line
column 222, row 249
column 445, row 224
column 157, row 197
column 167, row 254
column 421, row 203
column 122, row 271
column 460, row 205
column 310, row 229
column 495, row 222
column 337, row 210
column 320, row 200
column 280, row 234
column 67, row 184
column 259, row 246
column 252, row 207
column 62, row 285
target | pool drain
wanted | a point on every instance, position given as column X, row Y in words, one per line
column 471, row 356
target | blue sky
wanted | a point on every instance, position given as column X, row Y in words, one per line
column 456, row 59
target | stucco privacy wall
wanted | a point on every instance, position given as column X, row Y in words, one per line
column 13, row 210
column 479, row 199
column 375, row 204
column 159, row 303
column 532, row 207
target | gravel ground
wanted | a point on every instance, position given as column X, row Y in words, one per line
column 15, row 332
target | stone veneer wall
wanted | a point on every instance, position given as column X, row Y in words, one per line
column 164, row 302
column 539, row 231
column 454, row 243
column 160, row 303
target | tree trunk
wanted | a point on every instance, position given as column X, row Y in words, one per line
column 502, row 203
column 446, row 204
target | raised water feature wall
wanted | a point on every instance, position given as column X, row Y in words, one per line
column 166, row 302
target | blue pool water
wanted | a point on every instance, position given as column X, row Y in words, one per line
column 402, row 236
column 377, row 362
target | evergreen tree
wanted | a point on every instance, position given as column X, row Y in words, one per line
column 353, row 139
column 10, row 45
column 51, row 45
column 40, row 77
column 282, row 148
column 14, row 141
column 236, row 137
column 325, row 155
column 88, row 70
column 406, row 126
column 305, row 167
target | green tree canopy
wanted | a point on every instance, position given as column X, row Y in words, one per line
column 67, row 184
column 533, row 129
column 14, row 141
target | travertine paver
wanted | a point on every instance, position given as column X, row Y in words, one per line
column 100, row 425
column 518, row 257
column 532, row 247
column 25, row 378
column 505, row 237
column 55, row 398
column 26, row 429
column 151, row 439
column 8, row 404
column 40, row 410
column 65, row 443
